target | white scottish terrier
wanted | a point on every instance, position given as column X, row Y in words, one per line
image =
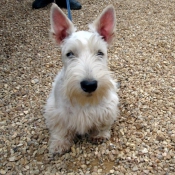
column 83, row 99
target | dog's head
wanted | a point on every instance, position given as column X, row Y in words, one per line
column 84, row 55
column 62, row 27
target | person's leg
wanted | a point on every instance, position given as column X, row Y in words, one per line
column 74, row 4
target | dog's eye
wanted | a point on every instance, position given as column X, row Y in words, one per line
column 100, row 53
column 70, row 54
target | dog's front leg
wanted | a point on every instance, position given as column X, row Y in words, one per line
column 61, row 139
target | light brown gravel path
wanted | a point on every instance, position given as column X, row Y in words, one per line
column 143, row 60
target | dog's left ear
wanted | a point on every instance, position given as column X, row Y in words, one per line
column 105, row 24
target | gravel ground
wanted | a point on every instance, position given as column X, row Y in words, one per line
column 142, row 59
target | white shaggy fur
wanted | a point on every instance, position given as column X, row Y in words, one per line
column 69, row 109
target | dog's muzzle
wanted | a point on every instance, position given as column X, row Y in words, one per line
column 89, row 85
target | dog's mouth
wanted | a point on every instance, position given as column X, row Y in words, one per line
column 89, row 94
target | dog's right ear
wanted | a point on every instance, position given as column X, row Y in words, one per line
column 61, row 26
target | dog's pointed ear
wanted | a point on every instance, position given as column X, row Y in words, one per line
column 105, row 24
column 61, row 26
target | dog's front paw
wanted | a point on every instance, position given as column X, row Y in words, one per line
column 59, row 146
column 100, row 137
column 98, row 140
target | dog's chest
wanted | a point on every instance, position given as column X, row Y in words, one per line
column 83, row 119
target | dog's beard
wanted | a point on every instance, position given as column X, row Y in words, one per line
column 77, row 95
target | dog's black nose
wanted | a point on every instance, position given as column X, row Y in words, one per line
column 89, row 85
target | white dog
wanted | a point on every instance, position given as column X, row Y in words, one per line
column 83, row 98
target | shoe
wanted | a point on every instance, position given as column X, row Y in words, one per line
column 40, row 3
column 74, row 5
